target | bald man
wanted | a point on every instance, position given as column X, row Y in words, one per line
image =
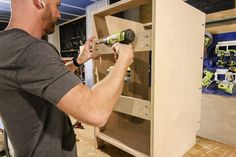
column 37, row 91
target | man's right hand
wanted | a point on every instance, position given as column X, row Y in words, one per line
column 125, row 53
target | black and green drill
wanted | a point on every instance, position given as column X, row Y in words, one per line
column 125, row 37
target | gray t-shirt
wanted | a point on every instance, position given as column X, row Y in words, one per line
column 33, row 80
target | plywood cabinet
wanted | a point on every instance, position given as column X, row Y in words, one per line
column 158, row 113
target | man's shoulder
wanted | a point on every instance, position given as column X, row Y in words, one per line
column 16, row 33
column 20, row 39
column 16, row 38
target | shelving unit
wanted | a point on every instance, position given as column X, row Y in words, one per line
column 72, row 37
column 160, row 105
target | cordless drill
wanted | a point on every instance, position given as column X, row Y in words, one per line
column 125, row 37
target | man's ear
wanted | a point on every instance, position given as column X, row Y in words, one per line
column 39, row 4
column 42, row 3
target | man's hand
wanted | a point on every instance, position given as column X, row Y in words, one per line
column 87, row 52
column 124, row 53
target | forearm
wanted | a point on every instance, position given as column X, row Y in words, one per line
column 94, row 106
column 106, row 93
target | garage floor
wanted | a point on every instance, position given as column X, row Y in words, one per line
column 203, row 148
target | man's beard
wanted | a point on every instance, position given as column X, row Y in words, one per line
column 50, row 27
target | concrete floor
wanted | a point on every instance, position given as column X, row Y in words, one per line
column 85, row 143
column 203, row 148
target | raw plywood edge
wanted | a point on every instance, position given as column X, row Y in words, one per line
column 222, row 15
column 223, row 28
column 148, row 25
column 98, row 143
column 221, row 22
column 135, row 107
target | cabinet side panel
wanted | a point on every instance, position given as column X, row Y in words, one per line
column 177, row 57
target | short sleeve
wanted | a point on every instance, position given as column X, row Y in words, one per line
column 42, row 73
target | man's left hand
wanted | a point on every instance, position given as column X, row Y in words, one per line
column 87, row 51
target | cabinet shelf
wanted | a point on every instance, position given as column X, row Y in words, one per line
column 123, row 126
column 120, row 145
column 65, row 51
column 136, row 107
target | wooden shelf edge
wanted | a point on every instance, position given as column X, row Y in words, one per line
column 222, row 28
column 148, row 25
column 120, row 6
column 222, row 15
column 134, row 107
column 120, row 145
column 66, row 58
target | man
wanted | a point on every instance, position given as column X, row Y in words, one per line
column 36, row 89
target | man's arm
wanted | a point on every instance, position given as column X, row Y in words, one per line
column 94, row 106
